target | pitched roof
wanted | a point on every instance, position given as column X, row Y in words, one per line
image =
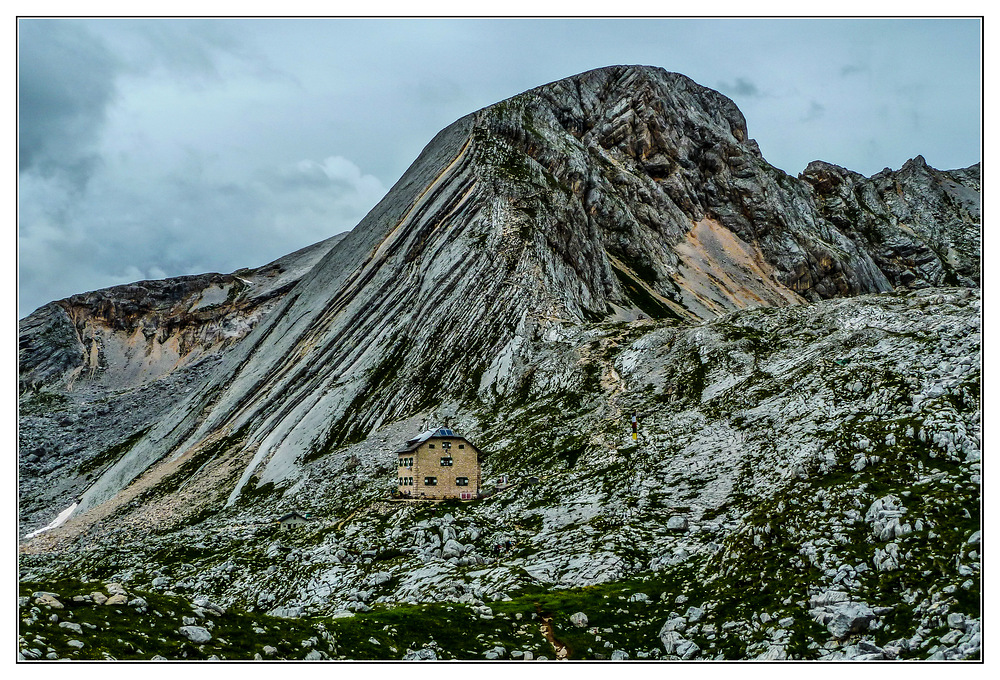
column 293, row 513
column 440, row 432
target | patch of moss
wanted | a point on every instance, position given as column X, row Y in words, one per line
column 111, row 454
column 42, row 402
column 641, row 298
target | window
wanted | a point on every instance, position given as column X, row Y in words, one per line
column 446, row 461
column 430, row 481
column 405, row 462
column 430, row 446
column 461, row 446
column 446, row 445
column 400, row 481
column 461, row 481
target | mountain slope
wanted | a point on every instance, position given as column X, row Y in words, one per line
column 621, row 192
column 607, row 243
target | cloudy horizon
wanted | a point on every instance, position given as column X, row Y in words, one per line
column 167, row 147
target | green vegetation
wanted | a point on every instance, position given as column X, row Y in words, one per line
column 641, row 298
column 42, row 402
column 625, row 615
column 111, row 454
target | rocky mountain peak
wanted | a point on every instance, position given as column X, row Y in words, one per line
column 607, row 244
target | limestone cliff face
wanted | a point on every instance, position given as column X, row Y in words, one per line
column 125, row 336
column 97, row 369
column 619, row 194
column 921, row 226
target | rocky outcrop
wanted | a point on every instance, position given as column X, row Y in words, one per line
column 921, row 226
column 125, row 336
column 98, row 369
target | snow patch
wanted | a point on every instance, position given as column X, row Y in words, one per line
column 62, row 517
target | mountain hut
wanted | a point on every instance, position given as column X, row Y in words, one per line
column 439, row 464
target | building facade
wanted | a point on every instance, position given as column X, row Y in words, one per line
column 292, row 520
column 439, row 464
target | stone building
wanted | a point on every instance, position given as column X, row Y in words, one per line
column 292, row 520
column 439, row 464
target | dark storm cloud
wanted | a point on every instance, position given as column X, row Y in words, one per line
column 204, row 51
column 65, row 85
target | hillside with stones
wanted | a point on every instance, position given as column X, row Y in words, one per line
column 803, row 354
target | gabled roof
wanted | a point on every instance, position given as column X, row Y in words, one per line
column 293, row 513
column 436, row 433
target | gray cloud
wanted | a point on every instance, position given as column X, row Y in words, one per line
column 128, row 227
column 743, row 87
column 65, row 85
column 815, row 112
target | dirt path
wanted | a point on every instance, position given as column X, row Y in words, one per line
column 562, row 651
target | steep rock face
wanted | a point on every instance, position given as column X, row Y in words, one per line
column 98, row 369
column 128, row 335
column 616, row 194
column 920, row 225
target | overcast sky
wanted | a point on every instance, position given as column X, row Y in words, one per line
column 157, row 148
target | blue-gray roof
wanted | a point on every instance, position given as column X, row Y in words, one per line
column 424, row 436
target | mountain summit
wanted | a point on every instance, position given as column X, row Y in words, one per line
column 587, row 246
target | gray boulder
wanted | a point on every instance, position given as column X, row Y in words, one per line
column 676, row 623
column 196, row 634
column 49, row 600
column 686, row 649
column 677, row 523
column 773, row 653
column 205, row 603
column 451, row 548
column 674, row 644
column 849, row 617
column 579, row 619
column 695, row 614
column 425, row 654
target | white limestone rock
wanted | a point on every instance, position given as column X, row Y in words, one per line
column 196, row 634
